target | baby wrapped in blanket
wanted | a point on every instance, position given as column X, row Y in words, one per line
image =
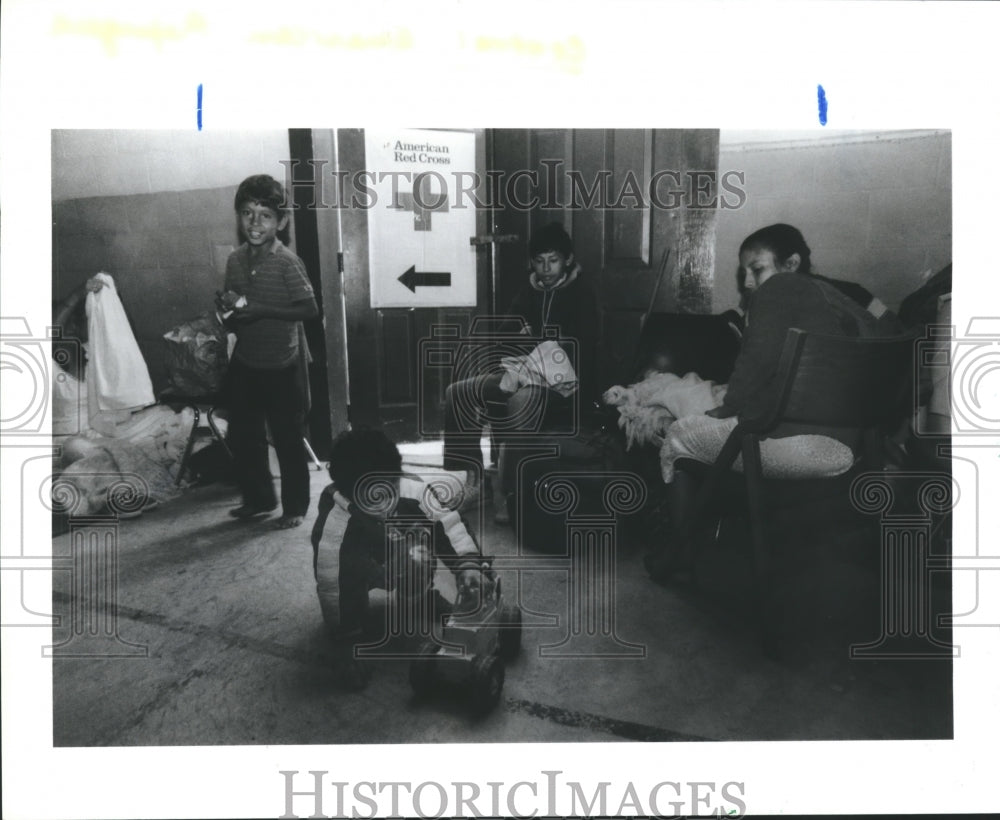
column 647, row 408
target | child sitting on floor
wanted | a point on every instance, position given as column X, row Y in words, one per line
column 367, row 537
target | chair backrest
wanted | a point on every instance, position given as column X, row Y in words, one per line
column 839, row 381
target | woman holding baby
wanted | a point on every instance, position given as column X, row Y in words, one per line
column 783, row 294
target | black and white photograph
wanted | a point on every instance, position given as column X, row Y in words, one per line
column 439, row 465
column 556, row 452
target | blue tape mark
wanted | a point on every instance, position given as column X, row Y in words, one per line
column 820, row 96
column 199, row 105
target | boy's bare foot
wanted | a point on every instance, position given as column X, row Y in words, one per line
column 245, row 511
column 287, row 522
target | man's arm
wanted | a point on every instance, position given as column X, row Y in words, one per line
column 70, row 302
column 65, row 308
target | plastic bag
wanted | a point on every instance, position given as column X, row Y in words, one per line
column 196, row 356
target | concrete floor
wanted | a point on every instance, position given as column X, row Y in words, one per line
column 235, row 651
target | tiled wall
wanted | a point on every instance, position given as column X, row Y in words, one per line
column 874, row 211
column 155, row 210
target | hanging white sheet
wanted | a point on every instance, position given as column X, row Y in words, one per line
column 117, row 377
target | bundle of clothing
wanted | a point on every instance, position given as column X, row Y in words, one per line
column 105, row 475
column 119, row 450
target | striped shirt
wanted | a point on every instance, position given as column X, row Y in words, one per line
column 278, row 278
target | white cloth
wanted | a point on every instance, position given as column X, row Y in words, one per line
column 69, row 416
column 160, row 432
column 807, row 456
column 648, row 408
column 546, row 366
column 117, row 377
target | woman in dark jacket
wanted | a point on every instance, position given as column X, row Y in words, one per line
column 775, row 262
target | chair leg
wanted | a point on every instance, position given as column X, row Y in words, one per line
column 312, row 454
column 498, row 484
column 763, row 557
column 188, row 446
column 689, row 512
column 210, row 416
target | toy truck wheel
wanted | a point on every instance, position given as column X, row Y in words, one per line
column 422, row 669
column 487, row 683
column 510, row 631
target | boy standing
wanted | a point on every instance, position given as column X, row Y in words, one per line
column 269, row 295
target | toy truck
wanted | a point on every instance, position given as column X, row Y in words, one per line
column 477, row 637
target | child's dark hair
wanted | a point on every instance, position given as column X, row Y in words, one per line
column 783, row 241
column 264, row 190
column 357, row 453
column 552, row 237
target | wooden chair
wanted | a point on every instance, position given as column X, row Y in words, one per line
column 858, row 384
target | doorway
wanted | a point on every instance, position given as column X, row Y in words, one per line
column 626, row 197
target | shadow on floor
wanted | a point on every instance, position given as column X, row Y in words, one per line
column 233, row 651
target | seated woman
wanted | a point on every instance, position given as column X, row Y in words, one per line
column 555, row 296
column 776, row 263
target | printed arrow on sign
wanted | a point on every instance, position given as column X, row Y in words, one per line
column 413, row 280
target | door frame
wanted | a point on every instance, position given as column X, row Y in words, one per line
column 356, row 354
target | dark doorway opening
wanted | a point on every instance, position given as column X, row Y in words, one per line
column 307, row 247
